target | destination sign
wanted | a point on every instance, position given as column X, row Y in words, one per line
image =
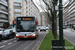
column 24, row 18
column 27, row 18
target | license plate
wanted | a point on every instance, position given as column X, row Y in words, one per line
column 25, row 36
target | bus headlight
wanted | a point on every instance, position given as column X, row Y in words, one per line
column 33, row 34
column 17, row 34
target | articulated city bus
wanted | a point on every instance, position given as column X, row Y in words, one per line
column 26, row 27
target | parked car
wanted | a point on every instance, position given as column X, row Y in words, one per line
column 57, row 27
column 47, row 28
column 8, row 33
column 43, row 28
column 64, row 27
column 14, row 30
column 68, row 26
column 38, row 27
column 50, row 28
column 1, row 34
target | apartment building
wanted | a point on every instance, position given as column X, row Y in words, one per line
column 69, row 13
column 15, row 7
column 32, row 10
column 44, row 19
column 4, row 14
column 23, row 8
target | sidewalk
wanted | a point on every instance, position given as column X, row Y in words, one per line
column 70, row 29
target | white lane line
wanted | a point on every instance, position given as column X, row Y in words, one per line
column 14, row 38
column 28, row 45
column 9, row 43
column 2, row 46
column 11, row 39
column 5, row 41
column 36, row 45
column 39, row 43
column 15, row 41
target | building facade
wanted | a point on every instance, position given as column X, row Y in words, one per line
column 44, row 19
column 23, row 8
column 32, row 10
column 4, row 13
column 69, row 14
column 15, row 7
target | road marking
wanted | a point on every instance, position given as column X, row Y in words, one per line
column 15, row 41
column 38, row 43
column 7, row 40
column 12, row 39
column 28, row 45
column 9, row 43
column 2, row 46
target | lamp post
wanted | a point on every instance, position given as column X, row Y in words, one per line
column 61, row 25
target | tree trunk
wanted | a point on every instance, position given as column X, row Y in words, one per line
column 53, row 14
column 53, row 25
column 55, row 28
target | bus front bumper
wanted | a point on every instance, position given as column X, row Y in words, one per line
column 26, row 36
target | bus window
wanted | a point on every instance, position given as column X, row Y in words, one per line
column 26, row 26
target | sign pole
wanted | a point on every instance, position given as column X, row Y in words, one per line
column 61, row 25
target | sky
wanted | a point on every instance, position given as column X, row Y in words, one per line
column 64, row 1
column 37, row 2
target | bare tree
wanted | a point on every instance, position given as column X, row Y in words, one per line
column 51, row 14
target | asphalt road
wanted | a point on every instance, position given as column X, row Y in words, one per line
column 69, row 35
column 24, row 44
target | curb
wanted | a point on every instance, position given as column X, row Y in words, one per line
column 72, row 30
column 41, row 42
column 67, row 39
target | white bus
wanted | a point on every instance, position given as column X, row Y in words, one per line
column 26, row 27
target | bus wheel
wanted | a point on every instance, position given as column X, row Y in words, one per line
column 20, row 38
column 35, row 38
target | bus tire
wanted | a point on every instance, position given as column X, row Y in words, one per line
column 20, row 38
column 35, row 38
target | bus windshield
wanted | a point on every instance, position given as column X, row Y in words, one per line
column 25, row 26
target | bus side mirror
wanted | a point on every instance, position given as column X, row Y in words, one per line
column 14, row 22
column 36, row 22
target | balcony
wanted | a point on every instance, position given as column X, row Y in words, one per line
column 3, row 11
column 17, row 1
column 3, row 2
column 2, row 20
column 17, row 5
column 17, row 10
column 3, row 8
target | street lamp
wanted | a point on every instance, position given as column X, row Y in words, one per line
column 61, row 25
column 59, row 43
